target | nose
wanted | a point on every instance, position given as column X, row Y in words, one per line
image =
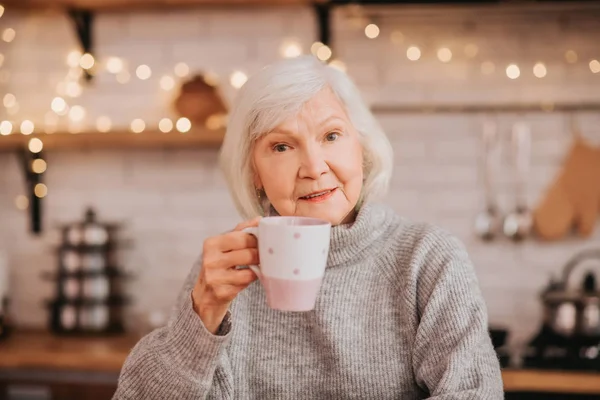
column 312, row 164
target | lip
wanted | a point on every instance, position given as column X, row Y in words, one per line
column 321, row 198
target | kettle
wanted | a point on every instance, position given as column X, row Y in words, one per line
column 570, row 312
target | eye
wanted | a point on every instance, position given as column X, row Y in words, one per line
column 332, row 136
column 280, row 148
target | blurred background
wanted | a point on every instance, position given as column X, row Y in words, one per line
column 113, row 111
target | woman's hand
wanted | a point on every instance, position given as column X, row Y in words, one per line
column 219, row 281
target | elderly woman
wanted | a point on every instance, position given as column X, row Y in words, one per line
column 399, row 313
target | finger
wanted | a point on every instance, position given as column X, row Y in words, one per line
column 248, row 223
column 236, row 258
column 230, row 278
column 233, row 241
column 241, row 277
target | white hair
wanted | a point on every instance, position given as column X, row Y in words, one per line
column 278, row 92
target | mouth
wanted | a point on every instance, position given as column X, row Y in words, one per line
column 319, row 196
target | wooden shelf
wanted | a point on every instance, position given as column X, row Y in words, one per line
column 103, row 5
column 525, row 380
column 116, row 140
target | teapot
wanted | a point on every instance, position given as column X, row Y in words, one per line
column 573, row 312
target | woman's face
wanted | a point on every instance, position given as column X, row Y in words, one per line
column 311, row 165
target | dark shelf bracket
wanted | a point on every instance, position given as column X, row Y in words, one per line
column 323, row 12
column 83, row 21
column 32, row 179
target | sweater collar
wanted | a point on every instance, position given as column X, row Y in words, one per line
column 348, row 241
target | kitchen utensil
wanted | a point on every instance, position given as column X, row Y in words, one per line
column 488, row 221
column 517, row 224
column 89, row 282
column 573, row 312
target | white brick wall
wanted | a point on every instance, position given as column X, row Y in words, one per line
column 172, row 200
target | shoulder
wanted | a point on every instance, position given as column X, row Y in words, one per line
column 420, row 252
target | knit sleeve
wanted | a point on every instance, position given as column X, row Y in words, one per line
column 182, row 360
column 453, row 356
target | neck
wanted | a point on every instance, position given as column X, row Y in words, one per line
column 351, row 240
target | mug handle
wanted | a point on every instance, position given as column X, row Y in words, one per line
column 253, row 230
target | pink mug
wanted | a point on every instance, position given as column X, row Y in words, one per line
column 293, row 255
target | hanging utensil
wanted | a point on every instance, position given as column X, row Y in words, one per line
column 488, row 222
column 518, row 223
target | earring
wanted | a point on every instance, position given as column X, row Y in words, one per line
column 263, row 201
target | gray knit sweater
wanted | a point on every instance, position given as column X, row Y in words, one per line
column 399, row 316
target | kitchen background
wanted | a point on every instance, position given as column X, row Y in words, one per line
column 171, row 199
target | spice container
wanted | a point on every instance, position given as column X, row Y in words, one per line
column 90, row 284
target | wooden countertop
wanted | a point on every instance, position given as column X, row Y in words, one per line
column 42, row 350
column 550, row 381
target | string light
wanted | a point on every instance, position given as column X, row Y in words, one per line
column 143, row 72
column 8, row 35
column 103, row 124
column 39, row 166
column 59, row 105
column 1, row 10
column 137, row 125
column 314, row 48
column 444, row 54
column 371, row 31
column 40, row 190
column 290, row 49
column 9, row 100
column 167, row 82
column 183, row 125
column 571, row 56
column 182, row 70
column 5, row 128
column 22, row 202
column 27, row 127
column 324, row 53
column 487, row 68
column 238, row 79
column 413, row 53
column 35, row 145
column 73, row 58
column 540, row 70
column 513, row 71
column 471, row 50
column 87, row 61
column 76, row 113
column 165, row 125
column 114, row 65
